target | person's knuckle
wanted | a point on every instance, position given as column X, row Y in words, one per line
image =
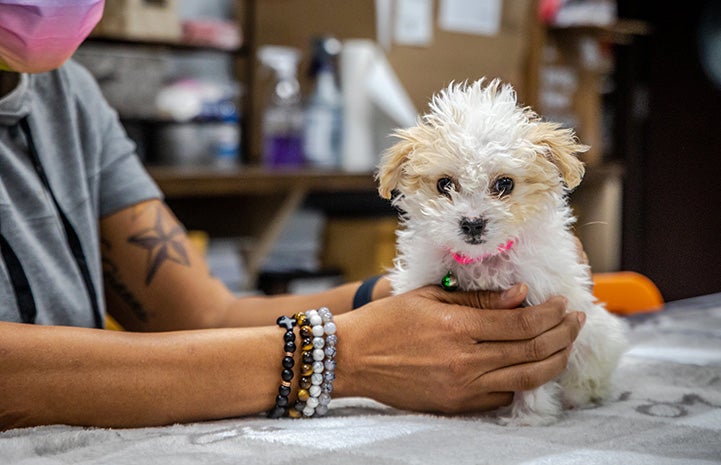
column 448, row 323
column 527, row 322
column 505, row 352
column 528, row 380
column 493, row 300
column 484, row 300
column 535, row 349
column 457, row 326
column 431, row 292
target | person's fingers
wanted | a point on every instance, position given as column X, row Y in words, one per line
column 511, row 298
column 500, row 354
column 513, row 325
column 487, row 401
column 527, row 376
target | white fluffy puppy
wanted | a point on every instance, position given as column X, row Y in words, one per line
column 482, row 183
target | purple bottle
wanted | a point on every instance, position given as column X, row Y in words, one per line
column 283, row 115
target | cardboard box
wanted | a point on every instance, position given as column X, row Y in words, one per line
column 422, row 70
column 360, row 247
column 141, row 20
column 456, row 56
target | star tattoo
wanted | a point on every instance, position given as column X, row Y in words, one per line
column 163, row 241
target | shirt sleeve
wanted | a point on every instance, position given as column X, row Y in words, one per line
column 123, row 180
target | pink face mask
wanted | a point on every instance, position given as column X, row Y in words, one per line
column 40, row 35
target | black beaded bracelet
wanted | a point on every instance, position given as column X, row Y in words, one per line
column 364, row 293
column 281, row 401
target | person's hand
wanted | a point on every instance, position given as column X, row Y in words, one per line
column 431, row 350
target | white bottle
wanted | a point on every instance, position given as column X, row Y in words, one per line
column 324, row 111
column 226, row 144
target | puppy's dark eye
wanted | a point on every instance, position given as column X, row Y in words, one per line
column 445, row 186
column 503, row 186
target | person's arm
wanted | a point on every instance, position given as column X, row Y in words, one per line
column 422, row 350
column 82, row 376
column 182, row 293
column 155, row 280
column 425, row 350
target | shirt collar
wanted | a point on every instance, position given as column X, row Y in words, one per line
column 16, row 104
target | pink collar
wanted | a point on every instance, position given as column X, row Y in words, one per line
column 466, row 260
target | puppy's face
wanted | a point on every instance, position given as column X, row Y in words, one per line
column 478, row 169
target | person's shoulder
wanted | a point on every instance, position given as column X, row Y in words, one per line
column 72, row 82
column 75, row 74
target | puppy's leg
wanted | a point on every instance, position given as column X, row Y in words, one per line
column 533, row 408
column 596, row 352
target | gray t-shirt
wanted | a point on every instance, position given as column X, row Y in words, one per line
column 93, row 172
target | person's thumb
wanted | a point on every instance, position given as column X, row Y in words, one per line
column 510, row 298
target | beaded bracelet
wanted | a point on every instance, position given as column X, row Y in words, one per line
column 281, row 401
column 318, row 363
column 329, row 364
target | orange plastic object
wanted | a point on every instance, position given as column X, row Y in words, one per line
column 627, row 292
column 111, row 324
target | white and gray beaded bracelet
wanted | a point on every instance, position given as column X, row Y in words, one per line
column 318, row 362
column 331, row 340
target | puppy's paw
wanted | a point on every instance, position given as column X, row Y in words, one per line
column 586, row 392
column 586, row 382
column 539, row 407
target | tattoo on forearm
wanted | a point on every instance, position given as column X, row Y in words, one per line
column 163, row 241
column 114, row 281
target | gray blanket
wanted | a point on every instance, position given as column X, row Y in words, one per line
column 666, row 411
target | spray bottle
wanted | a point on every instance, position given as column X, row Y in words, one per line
column 324, row 109
column 283, row 114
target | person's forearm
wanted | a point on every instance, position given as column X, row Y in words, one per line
column 262, row 311
column 426, row 350
column 92, row 377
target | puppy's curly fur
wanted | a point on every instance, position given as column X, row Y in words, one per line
column 482, row 185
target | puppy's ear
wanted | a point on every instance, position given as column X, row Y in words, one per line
column 563, row 147
column 390, row 170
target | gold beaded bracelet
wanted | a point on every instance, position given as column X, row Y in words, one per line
column 317, row 371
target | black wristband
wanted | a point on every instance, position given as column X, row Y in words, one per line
column 364, row 293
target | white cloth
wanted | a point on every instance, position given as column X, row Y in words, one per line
column 666, row 411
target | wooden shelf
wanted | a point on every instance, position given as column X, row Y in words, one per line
column 166, row 44
column 603, row 170
column 178, row 182
column 621, row 32
column 257, row 202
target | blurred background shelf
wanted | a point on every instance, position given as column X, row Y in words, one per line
column 635, row 88
column 258, row 205
column 167, row 45
column 189, row 181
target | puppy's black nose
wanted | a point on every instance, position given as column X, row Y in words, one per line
column 473, row 227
